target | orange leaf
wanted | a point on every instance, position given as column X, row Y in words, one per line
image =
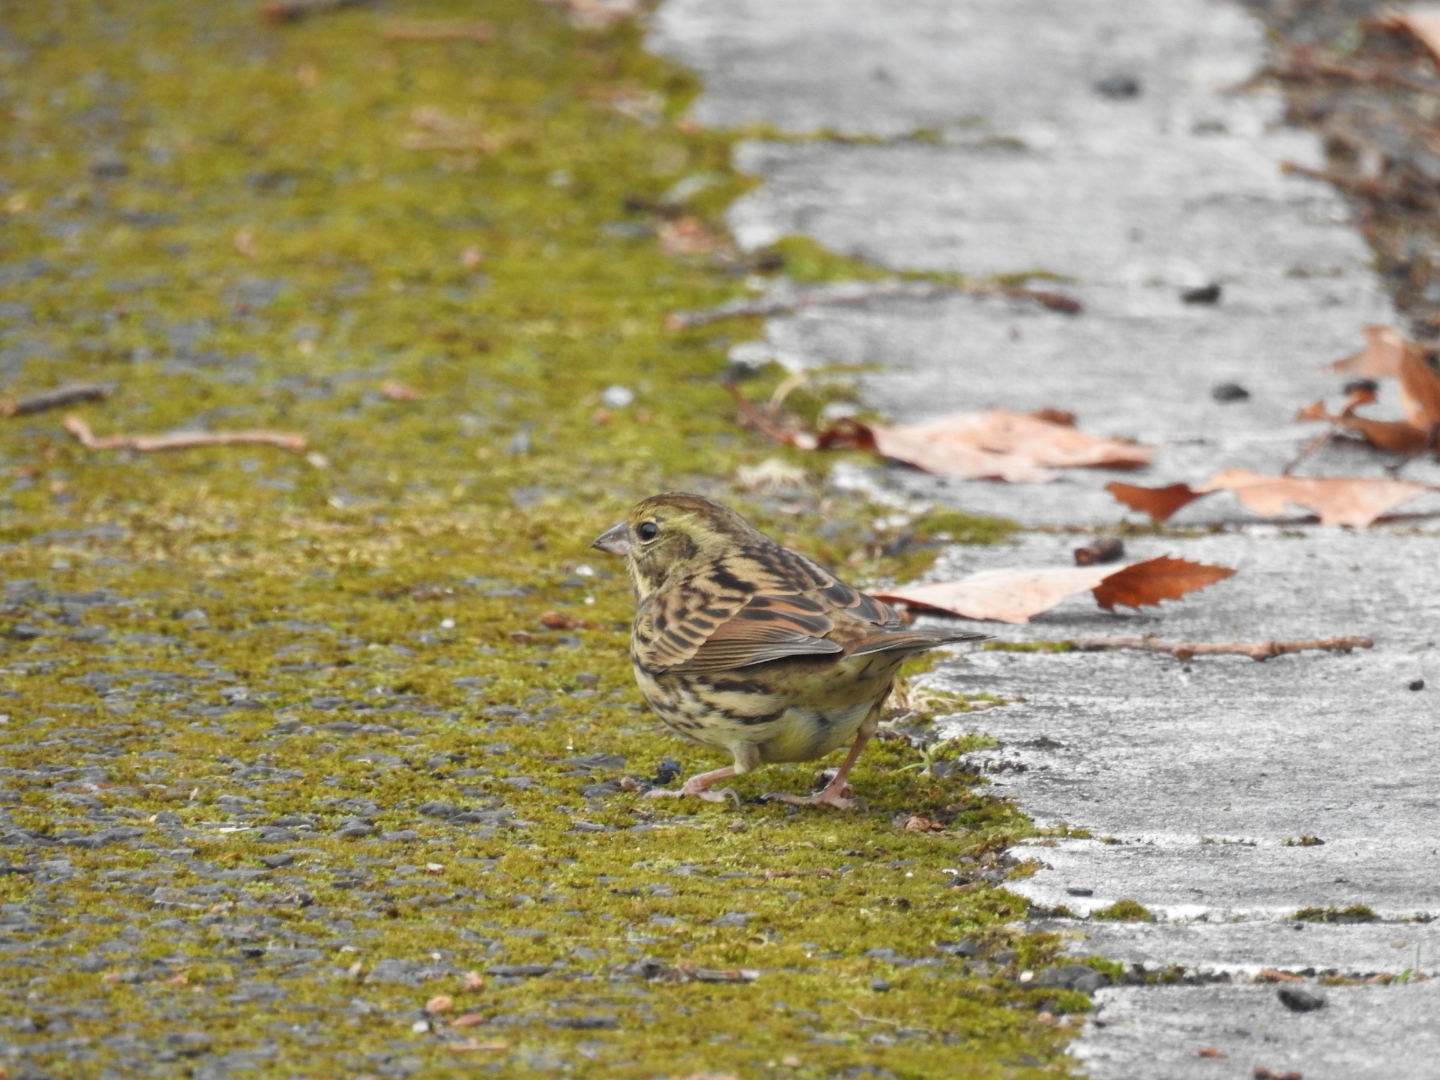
column 1015, row 596
column 1154, row 580
column 1420, row 387
column 1159, row 503
column 1398, row 436
column 1337, row 501
column 1002, row 445
column 1380, row 359
column 1424, row 24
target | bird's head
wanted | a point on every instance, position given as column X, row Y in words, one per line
column 667, row 537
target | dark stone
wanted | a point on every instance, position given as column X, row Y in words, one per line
column 880, row 986
column 590, row 762
column 1300, row 1001
column 1118, row 87
column 518, row 971
column 1205, row 294
column 959, row 948
column 277, row 861
column 1227, row 392
column 1417, row 684
column 738, row 919
column 1080, row 892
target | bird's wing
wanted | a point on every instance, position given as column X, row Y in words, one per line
column 767, row 628
column 670, row 625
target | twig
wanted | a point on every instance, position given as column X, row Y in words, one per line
column 294, row 10
column 1259, row 650
column 182, row 440
column 1310, row 448
column 1303, row 63
column 54, row 399
column 438, row 30
column 855, row 293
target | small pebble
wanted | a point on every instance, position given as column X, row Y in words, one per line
column 1205, row 294
column 1118, row 87
column 1227, row 392
column 1297, row 1000
column 880, row 986
column 1417, row 684
column 617, row 397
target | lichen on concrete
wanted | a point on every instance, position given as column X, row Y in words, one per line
column 288, row 749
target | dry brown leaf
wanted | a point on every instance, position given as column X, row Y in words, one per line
column 440, row 1003
column 398, row 391
column 1011, row 596
column 1159, row 503
column 1380, row 359
column 1423, row 22
column 1337, row 501
column 1397, row 436
column 1003, row 445
column 599, row 14
column 475, row 1044
column 470, row 1019
column 1420, row 388
column 1149, row 582
column 686, row 236
column 1015, row 596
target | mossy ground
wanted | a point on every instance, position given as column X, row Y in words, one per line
column 224, row 219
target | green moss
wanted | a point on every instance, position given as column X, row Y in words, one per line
column 1029, row 646
column 1123, row 911
column 1304, row 841
column 1351, row 914
column 272, row 255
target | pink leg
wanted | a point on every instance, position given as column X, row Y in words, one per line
column 699, row 787
column 837, row 792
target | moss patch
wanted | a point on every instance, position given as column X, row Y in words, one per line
column 1123, row 911
column 291, row 744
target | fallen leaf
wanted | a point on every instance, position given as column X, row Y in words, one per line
column 473, row 980
column 770, row 476
column 1423, row 22
column 1149, row 582
column 599, row 14
column 440, row 1003
column 398, row 391
column 686, row 236
column 1016, row 596
column 1337, row 500
column 1209, row 1052
column 558, row 620
column 1159, row 503
column 1397, row 436
column 1380, row 359
column 1003, row 445
column 1420, row 388
column 470, row 1019
column 1273, row 975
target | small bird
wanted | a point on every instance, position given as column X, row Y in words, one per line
column 742, row 645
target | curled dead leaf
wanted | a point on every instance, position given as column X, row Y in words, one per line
column 1160, row 503
column 398, row 391
column 440, row 1003
column 1016, row 596
column 1149, row 582
column 686, row 236
column 1380, row 359
column 1337, row 500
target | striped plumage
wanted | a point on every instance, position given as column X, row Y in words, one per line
column 744, row 646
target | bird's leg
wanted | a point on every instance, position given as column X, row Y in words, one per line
column 837, row 792
column 699, row 786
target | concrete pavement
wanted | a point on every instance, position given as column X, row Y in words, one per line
column 1121, row 146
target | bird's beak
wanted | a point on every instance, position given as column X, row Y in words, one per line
column 615, row 541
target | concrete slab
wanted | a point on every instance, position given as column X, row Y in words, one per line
column 1362, row 950
column 1362, row 1033
column 1120, row 145
column 1135, row 200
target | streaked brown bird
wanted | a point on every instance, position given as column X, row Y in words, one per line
column 742, row 645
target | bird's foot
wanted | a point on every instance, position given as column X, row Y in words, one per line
column 840, row 798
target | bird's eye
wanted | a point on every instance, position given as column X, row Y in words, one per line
column 648, row 530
